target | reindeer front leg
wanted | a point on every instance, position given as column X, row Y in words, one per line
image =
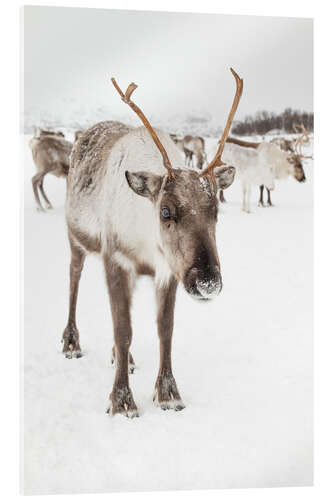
column 261, row 198
column 269, row 201
column 120, row 293
column 166, row 392
column 70, row 337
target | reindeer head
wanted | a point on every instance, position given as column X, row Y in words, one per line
column 295, row 159
column 297, row 167
column 185, row 206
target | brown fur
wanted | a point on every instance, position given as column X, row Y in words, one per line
column 120, row 293
column 166, row 388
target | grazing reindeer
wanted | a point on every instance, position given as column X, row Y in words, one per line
column 142, row 220
column 251, row 170
column 283, row 164
column 232, row 140
column 191, row 146
column 293, row 146
column 51, row 154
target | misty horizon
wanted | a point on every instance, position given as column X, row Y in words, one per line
column 180, row 62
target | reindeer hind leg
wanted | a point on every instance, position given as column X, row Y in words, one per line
column 269, row 201
column 41, row 188
column 35, row 184
column 261, row 198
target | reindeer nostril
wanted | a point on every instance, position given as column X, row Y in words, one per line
column 210, row 287
column 203, row 284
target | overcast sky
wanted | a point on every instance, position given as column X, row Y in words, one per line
column 180, row 61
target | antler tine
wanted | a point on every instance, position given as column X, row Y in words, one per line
column 127, row 99
column 297, row 146
column 217, row 161
column 296, row 128
column 305, row 131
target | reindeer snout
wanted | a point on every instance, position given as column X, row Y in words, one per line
column 203, row 284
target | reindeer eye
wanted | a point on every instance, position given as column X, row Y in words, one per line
column 165, row 212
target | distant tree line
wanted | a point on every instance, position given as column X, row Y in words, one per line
column 264, row 121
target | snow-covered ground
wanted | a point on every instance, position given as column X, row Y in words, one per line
column 243, row 363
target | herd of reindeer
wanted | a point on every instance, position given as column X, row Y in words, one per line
column 135, row 200
column 257, row 163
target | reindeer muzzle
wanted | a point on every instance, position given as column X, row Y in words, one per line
column 203, row 284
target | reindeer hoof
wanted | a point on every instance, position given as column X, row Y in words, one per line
column 73, row 354
column 179, row 405
column 166, row 394
column 70, row 338
column 176, row 404
column 49, row 206
column 128, row 413
column 122, row 402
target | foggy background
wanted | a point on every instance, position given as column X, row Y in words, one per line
column 180, row 62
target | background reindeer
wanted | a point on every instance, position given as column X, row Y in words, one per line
column 293, row 146
column 283, row 164
column 50, row 152
column 251, row 170
column 143, row 222
column 191, row 146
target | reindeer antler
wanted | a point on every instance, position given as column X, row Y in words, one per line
column 217, row 161
column 297, row 128
column 303, row 138
column 127, row 99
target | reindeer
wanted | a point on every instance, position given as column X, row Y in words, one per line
column 191, row 146
column 250, row 168
column 293, row 146
column 284, row 164
column 51, row 154
column 131, row 199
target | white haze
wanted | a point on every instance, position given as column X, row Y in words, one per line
column 179, row 61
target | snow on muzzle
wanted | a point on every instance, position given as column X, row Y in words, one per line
column 205, row 284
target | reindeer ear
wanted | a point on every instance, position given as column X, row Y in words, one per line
column 144, row 183
column 224, row 176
